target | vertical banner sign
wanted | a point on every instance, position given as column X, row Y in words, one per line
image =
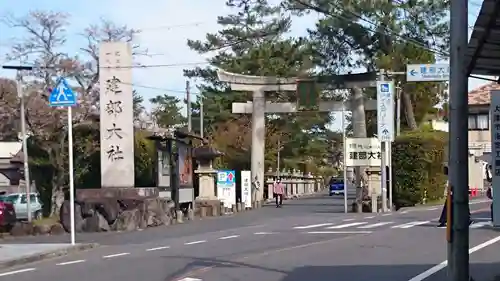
column 117, row 119
column 185, row 166
column 385, row 111
column 495, row 154
column 226, row 187
column 246, row 185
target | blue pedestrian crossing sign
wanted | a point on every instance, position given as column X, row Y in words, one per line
column 62, row 95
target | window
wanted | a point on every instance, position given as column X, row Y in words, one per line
column 11, row 198
column 33, row 199
column 479, row 122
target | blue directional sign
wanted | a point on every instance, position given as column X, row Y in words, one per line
column 385, row 111
column 62, row 94
column 427, row 72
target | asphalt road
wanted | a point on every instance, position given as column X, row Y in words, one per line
column 304, row 240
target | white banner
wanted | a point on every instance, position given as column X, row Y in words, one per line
column 363, row 152
column 246, row 188
column 385, row 110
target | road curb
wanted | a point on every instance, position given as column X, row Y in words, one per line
column 47, row 255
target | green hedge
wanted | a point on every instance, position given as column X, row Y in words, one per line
column 418, row 167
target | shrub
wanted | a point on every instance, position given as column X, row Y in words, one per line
column 418, row 159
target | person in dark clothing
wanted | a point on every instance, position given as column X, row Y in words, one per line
column 489, row 192
column 444, row 217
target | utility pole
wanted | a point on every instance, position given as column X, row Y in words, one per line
column 383, row 170
column 20, row 93
column 398, row 108
column 188, row 105
column 458, row 143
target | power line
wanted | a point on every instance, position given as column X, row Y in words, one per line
column 157, row 88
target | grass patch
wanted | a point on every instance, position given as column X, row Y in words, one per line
column 434, row 202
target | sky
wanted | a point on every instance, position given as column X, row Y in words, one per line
column 166, row 26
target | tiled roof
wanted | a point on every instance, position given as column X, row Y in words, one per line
column 481, row 95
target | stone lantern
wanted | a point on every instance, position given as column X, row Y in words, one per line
column 205, row 155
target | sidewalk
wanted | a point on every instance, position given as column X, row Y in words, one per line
column 17, row 254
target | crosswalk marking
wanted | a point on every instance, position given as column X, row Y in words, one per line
column 346, row 225
column 376, row 224
column 410, row 224
column 312, row 225
column 480, row 224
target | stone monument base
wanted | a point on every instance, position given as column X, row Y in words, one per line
column 208, row 207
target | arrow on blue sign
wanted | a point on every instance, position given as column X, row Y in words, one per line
column 62, row 95
column 413, row 72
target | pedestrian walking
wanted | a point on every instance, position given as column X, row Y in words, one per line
column 443, row 219
column 278, row 190
column 489, row 192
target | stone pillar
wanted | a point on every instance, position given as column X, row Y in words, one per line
column 258, row 142
column 374, row 186
column 206, row 184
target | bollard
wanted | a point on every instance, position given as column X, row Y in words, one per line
column 190, row 214
column 374, row 203
column 234, row 209
column 203, row 212
column 179, row 217
column 215, row 211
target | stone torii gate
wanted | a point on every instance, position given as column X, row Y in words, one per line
column 258, row 107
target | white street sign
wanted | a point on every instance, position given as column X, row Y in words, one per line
column 385, row 110
column 495, row 150
column 427, row 72
column 363, row 152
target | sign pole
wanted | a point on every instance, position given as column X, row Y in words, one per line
column 62, row 96
column 383, row 171
column 71, row 174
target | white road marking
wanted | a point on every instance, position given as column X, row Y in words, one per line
column 376, row 224
column 411, row 224
column 17, row 271
column 115, row 255
column 426, row 274
column 385, row 215
column 346, row 225
column 190, row 279
column 339, row 232
column 312, row 225
column 404, row 212
column 229, row 237
column 70, row 262
column 348, row 220
column 263, row 233
column 195, row 242
column 370, row 217
column 480, row 224
column 432, row 209
column 158, row 248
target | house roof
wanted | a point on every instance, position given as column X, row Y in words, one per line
column 481, row 95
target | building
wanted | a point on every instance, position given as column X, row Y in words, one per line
column 11, row 164
column 479, row 119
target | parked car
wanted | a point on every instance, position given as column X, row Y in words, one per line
column 20, row 202
column 336, row 186
column 7, row 214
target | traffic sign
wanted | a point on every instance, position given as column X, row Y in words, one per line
column 62, row 94
column 427, row 72
column 385, row 111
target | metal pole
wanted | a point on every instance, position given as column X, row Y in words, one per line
column 25, row 144
column 344, row 152
column 278, row 158
column 383, row 154
column 201, row 118
column 71, row 174
column 458, row 141
column 398, row 111
column 188, row 106
column 389, row 156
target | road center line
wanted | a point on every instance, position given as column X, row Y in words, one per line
column 262, row 233
column 229, row 237
column 195, row 242
column 115, row 255
column 17, row 271
column 158, row 248
column 426, row 274
column 70, row 262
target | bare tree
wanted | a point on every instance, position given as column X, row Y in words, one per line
column 45, row 36
column 9, row 110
